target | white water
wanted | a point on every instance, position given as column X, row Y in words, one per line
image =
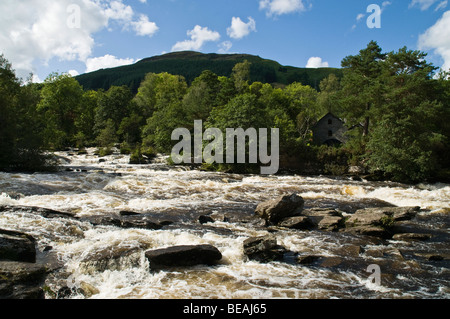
column 113, row 186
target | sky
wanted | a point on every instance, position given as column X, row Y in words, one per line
column 79, row 36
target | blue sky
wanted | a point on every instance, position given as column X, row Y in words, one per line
column 77, row 36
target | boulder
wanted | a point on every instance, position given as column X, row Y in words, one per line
column 379, row 222
column 19, row 280
column 264, row 249
column 275, row 210
column 183, row 256
column 17, row 246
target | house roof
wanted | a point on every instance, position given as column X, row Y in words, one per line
column 326, row 117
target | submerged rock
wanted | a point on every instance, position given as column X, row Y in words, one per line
column 412, row 236
column 279, row 208
column 111, row 258
column 183, row 256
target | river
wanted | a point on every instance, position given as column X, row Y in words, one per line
column 87, row 186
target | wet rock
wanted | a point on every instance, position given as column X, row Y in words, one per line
column 375, row 231
column 329, row 262
column 183, row 256
column 111, row 258
column 103, row 220
column 379, row 222
column 264, row 249
column 279, row 208
column 17, row 246
column 324, row 219
column 307, row 259
column 433, row 256
column 349, row 251
column 382, row 216
column 412, row 236
column 143, row 222
column 88, row 290
column 128, row 213
column 204, row 219
column 140, row 221
column 19, row 280
column 44, row 212
column 297, row 222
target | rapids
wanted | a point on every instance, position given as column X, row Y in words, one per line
column 87, row 186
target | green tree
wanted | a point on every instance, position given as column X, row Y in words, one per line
column 241, row 76
column 20, row 132
column 202, row 96
column 113, row 105
column 407, row 130
column 362, row 89
column 108, row 136
column 328, row 98
column 165, row 104
column 60, row 105
column 85, row 121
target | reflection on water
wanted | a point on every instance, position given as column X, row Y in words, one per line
column 86, row 187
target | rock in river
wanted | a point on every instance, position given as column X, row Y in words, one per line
column 183, row 256
column 17, row 246
column 264, row 249
column 279, row 208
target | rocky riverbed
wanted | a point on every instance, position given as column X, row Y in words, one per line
column 114, row 230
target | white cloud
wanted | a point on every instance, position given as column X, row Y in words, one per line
column 360, row 16
column 225, row 47
column 144, row 27
column 437, row 38
column 105, row 62
column 38, row 31
column 240, row 29
column 73, row 72
column 441, row 5
column 119, row 11
column 316, row 62
column 279, row 7
column 423, row 4
column 199, row 35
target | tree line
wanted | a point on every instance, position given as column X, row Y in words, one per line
column 395, row 101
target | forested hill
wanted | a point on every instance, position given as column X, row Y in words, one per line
column 191, row 64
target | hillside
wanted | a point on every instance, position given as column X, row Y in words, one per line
column 191, row 64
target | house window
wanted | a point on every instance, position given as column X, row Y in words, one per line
column 330, row 122
column 330, row 133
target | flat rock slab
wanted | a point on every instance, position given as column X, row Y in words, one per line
column 183, row 256
column 44, row 212
column 17, row 246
